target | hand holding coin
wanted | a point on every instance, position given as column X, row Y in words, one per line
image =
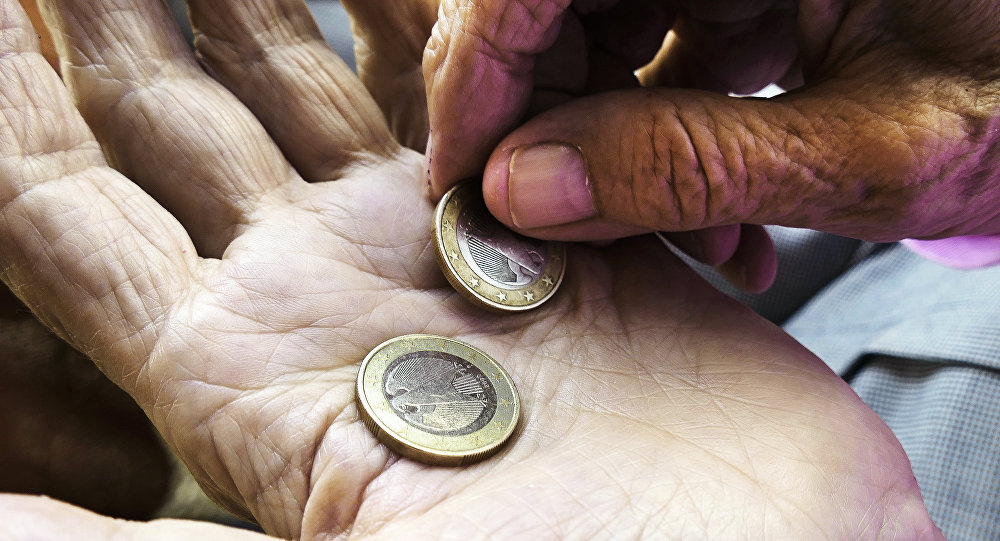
column 241, row 261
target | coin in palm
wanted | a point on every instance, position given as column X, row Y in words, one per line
column 437, row 400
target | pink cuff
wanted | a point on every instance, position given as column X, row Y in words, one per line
column 971, row 252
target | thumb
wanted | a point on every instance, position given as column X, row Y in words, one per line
column 880, row 165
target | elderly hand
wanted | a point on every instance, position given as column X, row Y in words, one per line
column 258, row 237
column 893, row 135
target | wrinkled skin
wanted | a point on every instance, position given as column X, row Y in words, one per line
column 255, row 240
column 66, row 428
column 893, row 132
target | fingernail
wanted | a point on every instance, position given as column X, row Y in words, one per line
column 735, row 272
column 548, row 185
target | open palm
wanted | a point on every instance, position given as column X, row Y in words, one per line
column 236, row 300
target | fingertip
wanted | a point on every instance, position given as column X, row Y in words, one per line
column 436, row 185
column 765, row 272
column 440, row 177
column 446, row 168
column 754, row 265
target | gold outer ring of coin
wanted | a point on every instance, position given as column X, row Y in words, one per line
column 419, row 444
column 473, row 285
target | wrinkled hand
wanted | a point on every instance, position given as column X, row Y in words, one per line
column 236, row 268
column 893, row 135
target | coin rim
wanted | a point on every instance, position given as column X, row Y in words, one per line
column 387, row 431
column 555, row 263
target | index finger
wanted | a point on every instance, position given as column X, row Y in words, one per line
column 93, row 256
column 477, row 69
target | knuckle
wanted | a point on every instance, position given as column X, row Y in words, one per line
column 676, row 165
column 251, row 33
column 508, row 29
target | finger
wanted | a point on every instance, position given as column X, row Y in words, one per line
column 162, row 121
column 869, row 159
column 271, row 55
column 79, row 244
column 477, row 68
column 711, row 246
column 389, row 40
column 740, row 56
column 754, row 265
column 24, row 518
column 744, row 254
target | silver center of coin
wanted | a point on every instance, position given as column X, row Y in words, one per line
column 440, row 393
column 498, row 255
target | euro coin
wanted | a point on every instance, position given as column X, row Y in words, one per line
column 489, row 264
column 437, row 400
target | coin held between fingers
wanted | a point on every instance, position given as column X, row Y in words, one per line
column 490, row 265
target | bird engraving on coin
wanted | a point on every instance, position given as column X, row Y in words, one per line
column 502, row 257
column 437, row 400
column 489, row 264
column 440, row 393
